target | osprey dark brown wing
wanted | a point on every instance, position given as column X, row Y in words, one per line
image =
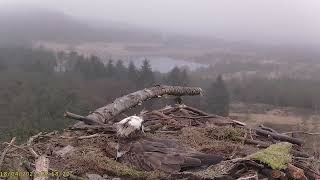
column 152, row 154
column 166, row 155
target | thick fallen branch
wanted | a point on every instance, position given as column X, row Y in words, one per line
column 104, row 114
column 94, row 128
column 80, row 118
column 278, row 136
column 258, row 143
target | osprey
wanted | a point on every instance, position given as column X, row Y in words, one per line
column 150, row 154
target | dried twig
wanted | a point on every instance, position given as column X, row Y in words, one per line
column 29, row 144
column 255, row 176
column 92, row 136
column 308, row 159
column 17, row 147
column 302, row 132
column 278, row 136
column 3, row 155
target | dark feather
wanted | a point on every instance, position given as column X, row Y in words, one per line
column 167, row 155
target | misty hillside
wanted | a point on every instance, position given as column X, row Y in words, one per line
column 18, row 26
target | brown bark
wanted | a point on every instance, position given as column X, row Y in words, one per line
column 278, row 136
column 198, row 111
column 258, row 143
column 295, row 172
column 94, row 128
column 104, row 114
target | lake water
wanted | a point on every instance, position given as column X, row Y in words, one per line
column 165, row 64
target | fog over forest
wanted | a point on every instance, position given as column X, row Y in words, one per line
column 159, row 89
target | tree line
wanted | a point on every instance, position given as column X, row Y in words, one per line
column 280, row 92
column 38, row 85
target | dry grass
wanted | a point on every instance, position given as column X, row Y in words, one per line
column 96, row 162
column 256, row 119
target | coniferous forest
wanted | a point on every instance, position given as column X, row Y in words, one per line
column 39, row 85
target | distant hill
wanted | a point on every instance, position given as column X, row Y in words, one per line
column 19, row 26
column 33, row 25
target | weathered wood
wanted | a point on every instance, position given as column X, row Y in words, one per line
column 267, row 128
column 260, row 144
column 29, row 144
column 42, row 168
column 3, row 155
column 80, row 118
column 198, row 111
column 97, row 128
column 278, row 136
column 104, row 114
column 295, row 172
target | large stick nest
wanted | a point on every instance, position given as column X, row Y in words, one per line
column 88, row 151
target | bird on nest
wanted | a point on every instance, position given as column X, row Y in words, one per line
column 156, row 154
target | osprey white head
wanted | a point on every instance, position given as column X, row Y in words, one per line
column 129, row 125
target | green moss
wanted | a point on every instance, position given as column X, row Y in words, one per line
column 277, row 156
column 226, row 133
column 234, row 134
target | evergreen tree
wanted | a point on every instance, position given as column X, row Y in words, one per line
column 185, row 78
column 121, row 70
column 218, row 99
column 96, row 68
column 146, row 76
column 176, row 77
column 132, row 72
column 173, row 77
column 110, row 69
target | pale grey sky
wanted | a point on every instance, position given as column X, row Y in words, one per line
column 292, row 21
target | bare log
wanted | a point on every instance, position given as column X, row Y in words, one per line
column 278, row 136
column 104, row 114
column 80, row 118
column 258, row 143
column 267, row 128
column 97, row 128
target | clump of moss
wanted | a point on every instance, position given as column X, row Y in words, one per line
column 226, row 133
column 98, row 163
column 277, row 156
